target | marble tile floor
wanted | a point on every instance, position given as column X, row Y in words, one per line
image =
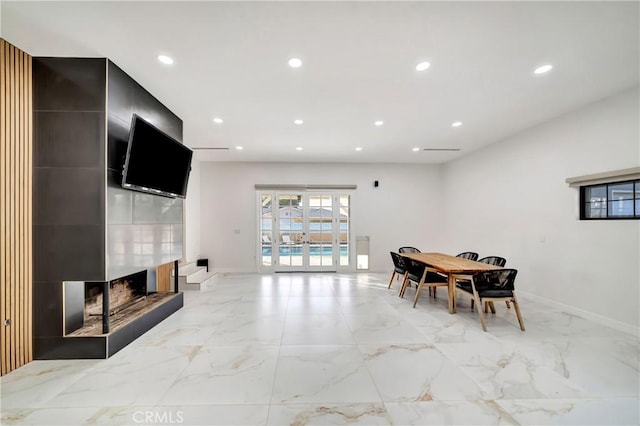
column 331, row 349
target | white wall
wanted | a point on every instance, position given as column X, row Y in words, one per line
column 511, row 199
column 192, row 215
column 404, row 210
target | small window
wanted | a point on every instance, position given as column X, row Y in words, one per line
column 616, row 200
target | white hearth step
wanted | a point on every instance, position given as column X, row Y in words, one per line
column 193, row 277
column 200, row 282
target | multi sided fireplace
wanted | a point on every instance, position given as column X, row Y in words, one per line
column 100, row 318
column 94, row 307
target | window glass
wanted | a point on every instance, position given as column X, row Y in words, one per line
column 596, row 209
column 596, row 193
column 621, row 208
column 621, row 191
column 620, row 199
column 617, row 200
column 596, row 202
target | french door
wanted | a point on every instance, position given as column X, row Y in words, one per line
column 304, row 231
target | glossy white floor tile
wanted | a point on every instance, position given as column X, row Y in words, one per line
column 329, row 414
column 322, row 374
column 477, row 412
column 619, row 411
column 417, row 372
column 331, row 349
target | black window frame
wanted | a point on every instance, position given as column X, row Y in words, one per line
column 635, row 199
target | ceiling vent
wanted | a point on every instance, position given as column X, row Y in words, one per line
column 212, row 148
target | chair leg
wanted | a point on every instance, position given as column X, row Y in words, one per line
column 403, row 286
column 418, row 293
column 516, row 306
column 406, row 282
column 472, row 303
column 492, row 307
column 391, row 280
column 508, row 304
column 486, row 307
column 479, row 308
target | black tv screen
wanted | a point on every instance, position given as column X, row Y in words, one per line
column 155, row 162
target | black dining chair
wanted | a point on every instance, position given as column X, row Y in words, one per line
column 408, row 250
column 490, row 286
column 465, row 255
column 492, row 260
column 399, row 267
column 421, row 274
column 468, row 255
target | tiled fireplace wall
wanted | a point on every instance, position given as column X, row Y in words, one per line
column 80, row 142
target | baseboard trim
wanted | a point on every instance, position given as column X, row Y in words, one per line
column 618, row 325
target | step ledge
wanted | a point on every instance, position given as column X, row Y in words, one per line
column 203, row 278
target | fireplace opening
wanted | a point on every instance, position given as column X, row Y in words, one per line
column 123, row 293
column 100, row 308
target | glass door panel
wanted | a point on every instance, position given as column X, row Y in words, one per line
column 266, row 229
column 344, row 231
column 304, row 231
column 321, row 235
column 290, row 223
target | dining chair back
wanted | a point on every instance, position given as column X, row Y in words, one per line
column 399, row 267
column 415, row 271
column 468, row 255
column 408, row 250
column 497, row 261
column 494, row 260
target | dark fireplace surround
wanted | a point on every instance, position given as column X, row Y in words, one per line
column 82, row 111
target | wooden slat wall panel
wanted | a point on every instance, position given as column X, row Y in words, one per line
column 163, row 278
column 3, row 210
column 16, row 160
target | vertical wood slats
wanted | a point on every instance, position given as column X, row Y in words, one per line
column 16, row 160
column 163, row 278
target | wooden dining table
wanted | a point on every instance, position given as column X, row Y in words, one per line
column 451, row 266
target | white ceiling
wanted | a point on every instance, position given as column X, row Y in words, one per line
column 359, row 67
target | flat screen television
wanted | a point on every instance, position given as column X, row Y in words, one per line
column 155, row 163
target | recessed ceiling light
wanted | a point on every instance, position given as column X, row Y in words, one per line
column 378, row 123
column 165, row 59
column 298, row 148
column 415, row 149
column 543, row 69
column 359, row 148
column 239, row 148
column 456, row 124
column 423, row 66
column 298, row 122
column 218, row 120
column 295, row 63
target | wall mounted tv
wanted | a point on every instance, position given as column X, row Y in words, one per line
column 155, row 163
